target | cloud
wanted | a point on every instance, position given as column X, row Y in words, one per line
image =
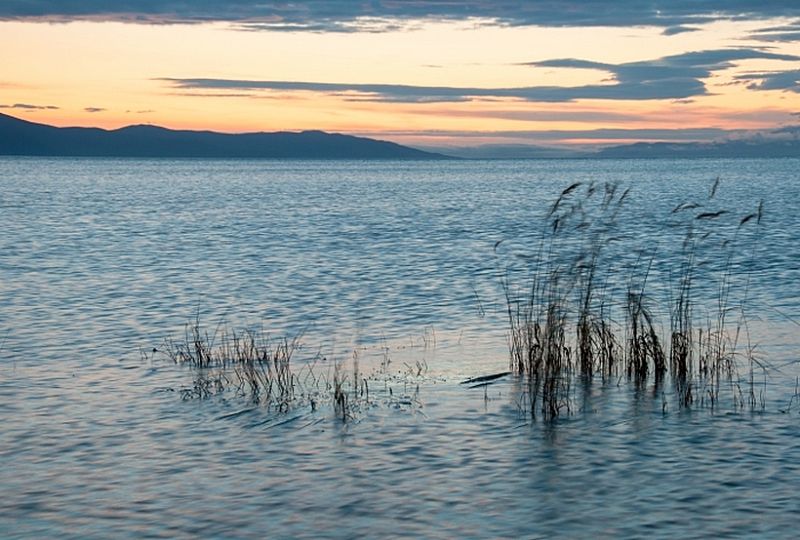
column 93, row 109
column 786, row 33
column 367, row 25
column 215, row 95
column 399, row 93
column 773, row 80
column 29, row 107
column 672, row 77
column 785, row 37
column 552, row 115
column 380, row 15
column 674, row 30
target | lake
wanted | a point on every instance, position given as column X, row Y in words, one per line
column 401, row 264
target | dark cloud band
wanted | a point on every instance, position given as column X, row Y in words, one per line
column 29, row 107
column 672, row 77
column 347, row 15
column 788, row 81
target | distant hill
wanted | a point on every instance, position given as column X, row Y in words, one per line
column 778, row 143
column 507, row 151
column 756, row 147
column 23, row 138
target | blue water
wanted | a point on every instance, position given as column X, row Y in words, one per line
column 100, row 259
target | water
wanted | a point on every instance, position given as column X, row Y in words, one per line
column 102, row 258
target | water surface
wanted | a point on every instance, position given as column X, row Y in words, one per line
column 100, row 259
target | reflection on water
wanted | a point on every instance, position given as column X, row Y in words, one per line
column 99, row 258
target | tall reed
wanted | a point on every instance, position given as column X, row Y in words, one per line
column 564, row 320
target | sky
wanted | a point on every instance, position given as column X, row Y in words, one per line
column 420, row 72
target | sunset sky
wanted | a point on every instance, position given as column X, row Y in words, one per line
column 437, row 73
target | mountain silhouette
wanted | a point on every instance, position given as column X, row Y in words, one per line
column 23, row 138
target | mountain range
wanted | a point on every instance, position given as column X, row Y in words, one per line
column 23, row 138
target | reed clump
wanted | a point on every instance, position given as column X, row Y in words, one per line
column 256, row 367
column 600, row 300
column 248, row 362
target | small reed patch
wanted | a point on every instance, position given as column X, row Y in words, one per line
column 261, row 370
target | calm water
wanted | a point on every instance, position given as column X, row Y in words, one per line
column 100, row 259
